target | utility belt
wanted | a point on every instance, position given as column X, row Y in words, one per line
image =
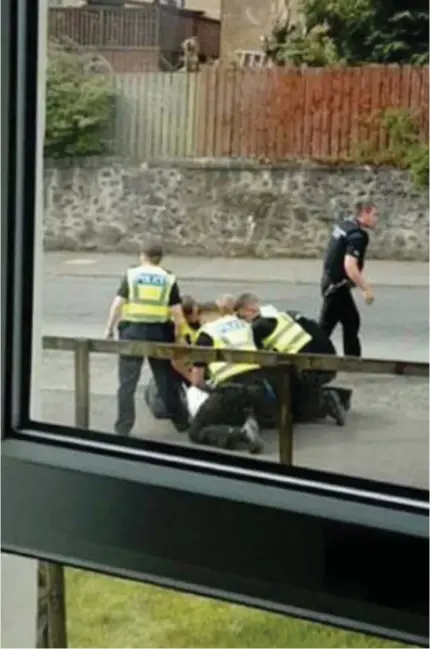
column 329, row 287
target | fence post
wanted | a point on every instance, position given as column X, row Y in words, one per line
column 82, row 384
column 285, row 417
column 52, row 631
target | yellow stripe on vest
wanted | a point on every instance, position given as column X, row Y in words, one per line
column 229, row 332
column 288, row 335
column 149, row 294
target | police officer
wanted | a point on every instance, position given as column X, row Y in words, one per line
column 343, row 270
column 151, row 296
column 188, row 335
column 191, row 323
column 275, row 330
column 181, row 369
column 226, row 419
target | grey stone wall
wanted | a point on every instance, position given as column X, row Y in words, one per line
column 227, row 208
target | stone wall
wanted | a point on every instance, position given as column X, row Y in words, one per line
column 227, row 208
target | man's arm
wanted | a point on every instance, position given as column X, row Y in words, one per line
column 199, row 367
column 356, row 246
column 261, row 328
column 114, row 315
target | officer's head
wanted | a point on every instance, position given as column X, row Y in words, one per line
column 247, row 306
column 208, row 312
column 153, row 253
column 365, row 213
column 190, row 309
column 226, row 304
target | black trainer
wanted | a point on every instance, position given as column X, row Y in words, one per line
column 250, row 433
column 334, row 407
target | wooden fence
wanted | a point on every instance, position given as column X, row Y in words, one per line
column 155, row 115
column 283, row 364
column 52, row 609
column 310, row 114
column 267, row 114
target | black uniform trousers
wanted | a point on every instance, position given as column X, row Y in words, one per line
column 306, row 386
column 340, row 307
column 130, row 368
column 221, row 417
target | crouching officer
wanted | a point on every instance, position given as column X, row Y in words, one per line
column 151, row 296
column 182, row 369
column 188, row 335
column 226, row 419
column 278, row 331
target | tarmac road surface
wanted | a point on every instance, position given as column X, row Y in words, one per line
column 387, row 433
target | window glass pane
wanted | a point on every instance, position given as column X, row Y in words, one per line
column 150, row 151
column 107, row 612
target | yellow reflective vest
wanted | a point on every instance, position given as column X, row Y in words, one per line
column 229, row 332
column 149, row 289
column 189, row 334
column 288, row 336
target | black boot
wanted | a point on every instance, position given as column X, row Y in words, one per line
column 334, row 407
column 250, row 434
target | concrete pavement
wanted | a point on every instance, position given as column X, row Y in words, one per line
column 290, row 271
column 387, row 433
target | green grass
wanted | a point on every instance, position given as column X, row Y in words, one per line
column 107, row 612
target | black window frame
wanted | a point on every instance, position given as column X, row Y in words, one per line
column 348, row 552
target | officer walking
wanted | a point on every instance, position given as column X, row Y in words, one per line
column 227, row 418
column 151, row 298
column 343, row 270
column 278, row 331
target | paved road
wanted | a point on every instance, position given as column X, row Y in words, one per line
column 387, row 433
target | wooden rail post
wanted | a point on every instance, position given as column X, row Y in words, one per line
column 52, row 631
column 57, row 628
column 285, row 417
column 82, row 383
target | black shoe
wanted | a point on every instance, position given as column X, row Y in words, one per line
column 181, row 426
column 334, row 407
column 345, row 396
column 250, row 434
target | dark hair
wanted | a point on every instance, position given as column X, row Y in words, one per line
column 244, row 300
column 153, row 252
column 209, row 307
column 188, row 304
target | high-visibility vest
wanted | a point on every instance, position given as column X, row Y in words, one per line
column 124, row 313
column 149, row 289
column 189, row 334
column 229, row 332
column 288, row 336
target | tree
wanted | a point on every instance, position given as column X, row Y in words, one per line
column 80, row 107
column 353, row 32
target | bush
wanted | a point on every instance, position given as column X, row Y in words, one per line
column 80, row 107
column 405, row 148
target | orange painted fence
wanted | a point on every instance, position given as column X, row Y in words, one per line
column 278, row 114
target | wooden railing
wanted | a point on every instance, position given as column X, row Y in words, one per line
column 272, row 361
column 52, row 631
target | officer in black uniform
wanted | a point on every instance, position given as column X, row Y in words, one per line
column 152, row 299
column 320, row 342
column 181, row 369
column 292, row 333
column 343, row 270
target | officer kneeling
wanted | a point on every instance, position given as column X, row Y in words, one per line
column 188, row 332
column 278, row 331
column 226, row 419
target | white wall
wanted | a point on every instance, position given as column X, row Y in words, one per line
column 18, row 574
